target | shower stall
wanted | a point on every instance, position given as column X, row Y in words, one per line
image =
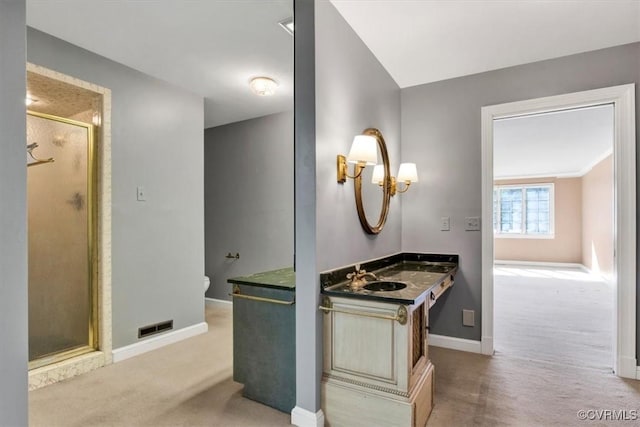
column 62, row 238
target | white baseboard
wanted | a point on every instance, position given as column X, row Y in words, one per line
column 214, row 301
column 123, row 353
column 542, row 264
column 486, row 346
column 627, row 367
column 302, row 418
column 454, row 343
column 638, row 372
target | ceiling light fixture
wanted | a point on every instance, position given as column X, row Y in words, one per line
column 287, row 24
column 263, row 86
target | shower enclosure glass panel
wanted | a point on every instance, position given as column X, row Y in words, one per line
column 61, row 250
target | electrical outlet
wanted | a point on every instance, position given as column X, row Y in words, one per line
column 468, row 318
column 445, row 223
column 142, row 196
column 472, row 223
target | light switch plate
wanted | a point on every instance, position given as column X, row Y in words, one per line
column 142, row 196
column 468, row 318
column 472, row 223
column 445, row 223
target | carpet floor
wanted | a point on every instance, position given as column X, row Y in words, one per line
column 555, row 315
column 184, row 384
column 190, row 384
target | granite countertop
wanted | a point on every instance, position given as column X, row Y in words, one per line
column 420, row 272
column 283, row 278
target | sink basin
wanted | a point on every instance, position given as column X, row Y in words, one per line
column 384, row 286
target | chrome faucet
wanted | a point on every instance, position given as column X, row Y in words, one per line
column 357, row 278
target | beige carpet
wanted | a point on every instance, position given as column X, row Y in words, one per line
column 556, row 315
column 476, row 390
column 189, row 384
column 184, row 384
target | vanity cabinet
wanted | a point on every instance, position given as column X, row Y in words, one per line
column 264, row 343
column 376, row 369
column 376, row 366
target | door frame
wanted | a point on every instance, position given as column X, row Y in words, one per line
column 624, row 164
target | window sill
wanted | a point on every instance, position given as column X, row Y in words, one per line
column 524, row 236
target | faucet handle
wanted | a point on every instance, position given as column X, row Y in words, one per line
column 357, row 267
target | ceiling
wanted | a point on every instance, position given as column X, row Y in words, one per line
column 422, row 41
column 214, row 47
column 209, row 47
column 557, row 144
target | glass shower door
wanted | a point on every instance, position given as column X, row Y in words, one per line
column 62, row 306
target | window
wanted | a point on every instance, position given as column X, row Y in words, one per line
column 523, row 210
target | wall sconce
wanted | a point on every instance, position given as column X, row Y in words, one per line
column 407, row 174
column 363, row 153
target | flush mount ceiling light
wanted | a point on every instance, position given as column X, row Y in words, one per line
column 287, row 24
column 263, row 86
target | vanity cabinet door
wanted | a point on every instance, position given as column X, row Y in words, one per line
column 417, row 362
column 361, row 348
column 426, row 334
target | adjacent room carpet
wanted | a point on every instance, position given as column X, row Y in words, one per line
column 554, row 315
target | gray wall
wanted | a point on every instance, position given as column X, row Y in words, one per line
column 308, row 319
column 13, row 217
column 441, row 132
column 353, row 92
column 346, row 89
column 248, row 204
column 157, row 142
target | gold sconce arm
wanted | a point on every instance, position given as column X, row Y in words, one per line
column 406, row 187
column 343, row 169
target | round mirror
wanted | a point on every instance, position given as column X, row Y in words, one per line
column 372, row 192
column 372, row 198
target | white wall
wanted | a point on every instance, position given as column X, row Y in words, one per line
column 13, row 217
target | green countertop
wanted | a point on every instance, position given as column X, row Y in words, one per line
column 283, row 278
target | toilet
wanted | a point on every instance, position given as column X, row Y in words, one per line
column 207, row 283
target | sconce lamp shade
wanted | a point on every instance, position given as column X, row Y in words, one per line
column 408, row 173
column 364, row 150
column 378, row 174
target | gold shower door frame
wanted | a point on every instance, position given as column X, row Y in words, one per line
column 92, row 249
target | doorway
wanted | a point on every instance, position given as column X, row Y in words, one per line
column 69, row 204
column 553, row 236
column 624, row 263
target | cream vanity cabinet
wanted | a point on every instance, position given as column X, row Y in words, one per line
column 377, row 370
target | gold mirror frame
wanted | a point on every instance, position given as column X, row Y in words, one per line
column 386, row 187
